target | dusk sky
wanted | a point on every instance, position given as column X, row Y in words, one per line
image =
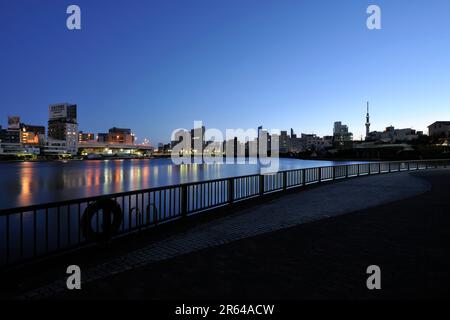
column 155, row 66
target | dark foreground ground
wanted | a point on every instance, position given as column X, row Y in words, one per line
column 409, row 240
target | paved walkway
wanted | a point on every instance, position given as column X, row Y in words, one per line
column 285, row 212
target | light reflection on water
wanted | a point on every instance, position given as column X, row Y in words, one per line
column 28, row 183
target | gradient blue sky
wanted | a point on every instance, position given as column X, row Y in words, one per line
column 155, row 66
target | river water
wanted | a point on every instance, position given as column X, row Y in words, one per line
column 27, row 183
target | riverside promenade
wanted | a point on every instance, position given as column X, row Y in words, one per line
column 312, row 244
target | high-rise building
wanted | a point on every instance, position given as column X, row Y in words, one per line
column 117, row 136
column 120, row 136
column 32, row 135
column 264, row 140
column 284, row 142
column 11, row 135
column 21, row 138
column 102, row 138
column 260, row 130
column 341, row 136
column 439, row 129
column 198, row 142
column 13, row 122
column 85, row 137
column 63, row 126
column 293, row 135
column 309, row 141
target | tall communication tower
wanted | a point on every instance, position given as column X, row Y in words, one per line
column 367, row 121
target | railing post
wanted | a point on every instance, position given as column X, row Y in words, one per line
column 409, row 169
column 284, row 180
column 346, row 170
column 230, row 190
column 379, row 167
column 319, row 178
column 303, row 177
column 261, row 184
column 358, row 170
column 389, row 167
column 334, row 173
column 7, row 240
column 107, row 222
column 184, row 202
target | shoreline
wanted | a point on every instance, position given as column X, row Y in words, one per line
column 78, row 159
column 168, row 156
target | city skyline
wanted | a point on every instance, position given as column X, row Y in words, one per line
column 145, row 140
column 301, row 65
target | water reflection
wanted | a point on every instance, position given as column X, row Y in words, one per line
column 29, row 183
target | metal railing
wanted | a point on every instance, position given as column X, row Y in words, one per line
column 32, row 232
